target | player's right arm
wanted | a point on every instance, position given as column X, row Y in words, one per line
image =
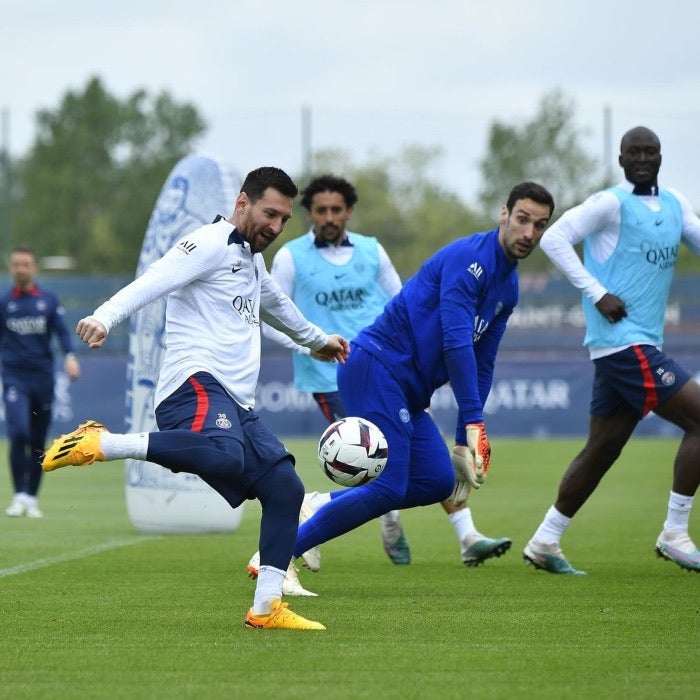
column 187, row 260
column 92, row 332
column 460, row 291
column 598, row 217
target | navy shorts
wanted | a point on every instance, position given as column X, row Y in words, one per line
column 639, row 377
column 202, row 405
column 331, row 405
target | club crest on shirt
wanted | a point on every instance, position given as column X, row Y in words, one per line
column 668, row 378
column 223, row 422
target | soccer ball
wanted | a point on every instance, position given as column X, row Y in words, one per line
column 352, row 451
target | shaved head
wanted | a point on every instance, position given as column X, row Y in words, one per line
column 640, row 157
column 639, row 133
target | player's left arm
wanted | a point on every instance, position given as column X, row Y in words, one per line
column 691, row 223
column 281, row 313
column 283, row 272
column 460, row 294
column 459, row 301
column 472, row 460
column 486, row 350
column 388, row 278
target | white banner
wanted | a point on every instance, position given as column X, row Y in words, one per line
column 197, row 189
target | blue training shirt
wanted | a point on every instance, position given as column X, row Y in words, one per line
column 28, row 320
column 446, row 325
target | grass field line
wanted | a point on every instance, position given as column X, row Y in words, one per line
column 72, row 556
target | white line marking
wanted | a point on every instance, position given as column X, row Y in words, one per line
column 71, row 556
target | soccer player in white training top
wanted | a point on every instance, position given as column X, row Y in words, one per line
column 218, row 290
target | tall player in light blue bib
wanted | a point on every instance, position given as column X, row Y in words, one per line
column 631, row 235
column 648, row 241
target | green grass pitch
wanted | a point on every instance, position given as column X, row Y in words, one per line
column 90, row 608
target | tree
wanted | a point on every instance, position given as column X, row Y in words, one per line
column 95, row 168
column 547, row 150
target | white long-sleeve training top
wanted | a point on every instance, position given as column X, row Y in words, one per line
column 598, row 217
column 217, row 292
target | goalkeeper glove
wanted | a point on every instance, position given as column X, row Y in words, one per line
column 471, row 463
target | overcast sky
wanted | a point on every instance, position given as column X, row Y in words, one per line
column 377, row 75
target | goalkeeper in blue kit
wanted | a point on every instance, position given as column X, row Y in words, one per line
column 445, row 325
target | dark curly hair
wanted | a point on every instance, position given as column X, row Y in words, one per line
column 329, row 183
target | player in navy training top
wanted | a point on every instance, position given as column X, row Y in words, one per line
column 444, row 326
column 30, row 316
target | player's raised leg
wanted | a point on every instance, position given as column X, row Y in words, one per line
column 79, row 448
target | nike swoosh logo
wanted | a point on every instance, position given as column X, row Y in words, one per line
column 658, row 222
column 340, row 276
column 235, row 269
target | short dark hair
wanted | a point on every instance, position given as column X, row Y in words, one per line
column 258, row 180
column 329, row 183
column 533, row 191
column 28, row 250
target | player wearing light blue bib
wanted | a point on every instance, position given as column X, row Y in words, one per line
column 335, row 296
column 631, row 236
column 639, row 270
column 444, row 326
column 339, row 279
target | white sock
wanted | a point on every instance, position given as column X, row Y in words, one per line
column 552, row 527
column 462, row 522
column 29, row 500
column 21, row 496
column 391, row 518
column 269, row 587
column 318, row 500
column 124, row 445
column 678, row 512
